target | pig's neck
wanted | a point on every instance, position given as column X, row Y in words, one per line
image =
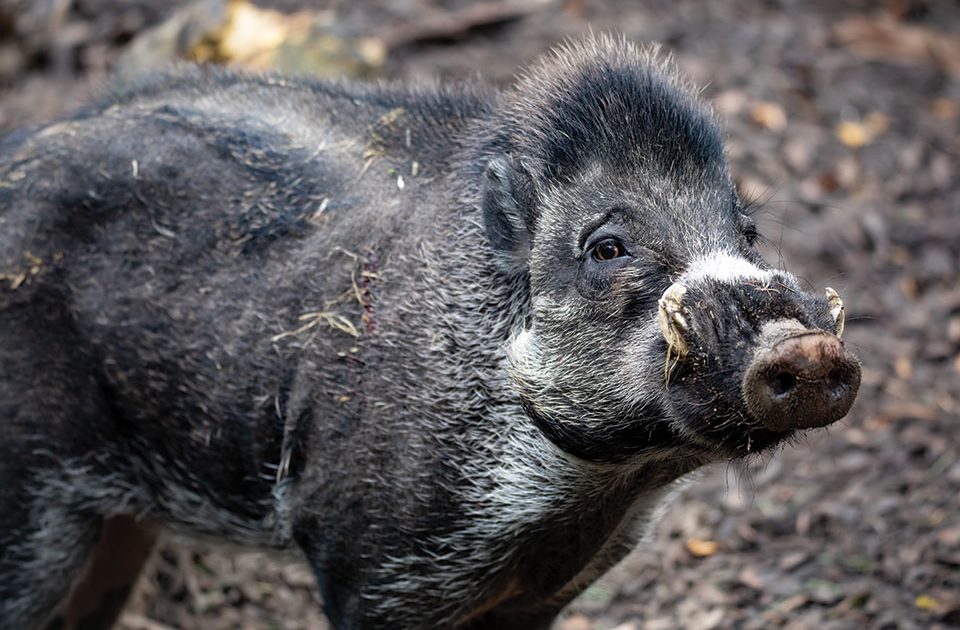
column 533, row 505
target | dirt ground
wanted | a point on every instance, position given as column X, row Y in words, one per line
column 844, row 125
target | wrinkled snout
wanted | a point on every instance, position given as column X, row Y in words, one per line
column 799, row 378
column 794, row 377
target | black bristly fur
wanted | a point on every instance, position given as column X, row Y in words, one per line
column 364, row 322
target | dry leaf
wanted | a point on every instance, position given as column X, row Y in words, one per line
column 252, row 35
column 925, row 602
column 883, row 38
column 944, row 109
column 876, row 123
column 904, row 368
column 769, row 116
column 576, row 622
column 700, row 548
column 853, row 134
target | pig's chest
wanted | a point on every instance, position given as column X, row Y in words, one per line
column 534, row 528
column 561, row 540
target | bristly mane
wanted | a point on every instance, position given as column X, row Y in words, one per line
column 605, row 99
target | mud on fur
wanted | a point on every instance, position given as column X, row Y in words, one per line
column 463, row 422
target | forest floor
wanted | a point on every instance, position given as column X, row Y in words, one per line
column 843, row 122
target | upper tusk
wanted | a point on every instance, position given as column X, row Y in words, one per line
column 672, row 322
column 836, row 309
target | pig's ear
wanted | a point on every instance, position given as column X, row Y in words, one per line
column 508, row 199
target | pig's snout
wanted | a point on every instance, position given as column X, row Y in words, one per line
column 799, row 378
column 794, row 377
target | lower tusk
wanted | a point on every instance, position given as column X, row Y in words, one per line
column 836, row 310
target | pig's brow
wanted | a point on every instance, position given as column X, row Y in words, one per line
column 596, row 224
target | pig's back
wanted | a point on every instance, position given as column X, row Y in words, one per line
column 211, row 238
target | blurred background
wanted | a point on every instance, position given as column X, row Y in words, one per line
column 844, row 126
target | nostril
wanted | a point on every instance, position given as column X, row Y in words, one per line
column 835, row 385
column 782, row 384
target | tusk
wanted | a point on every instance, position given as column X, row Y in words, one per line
column 672, row 323
column 836, row 309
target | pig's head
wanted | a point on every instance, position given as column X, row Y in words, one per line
column 656, row 326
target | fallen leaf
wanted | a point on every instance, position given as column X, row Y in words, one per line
column 882, row 38
column 458, row 24
column 944, row 109
column 877, row 123
column 853, row 134
column 576, row 622
column 186, row 29
column 700, row 548
column 730, row 102
column 751, row 579
column 252, row 35
column 828, row 182
column 769, row 116
column 925, row 602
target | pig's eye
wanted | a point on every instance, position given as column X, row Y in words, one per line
column 608, row 249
